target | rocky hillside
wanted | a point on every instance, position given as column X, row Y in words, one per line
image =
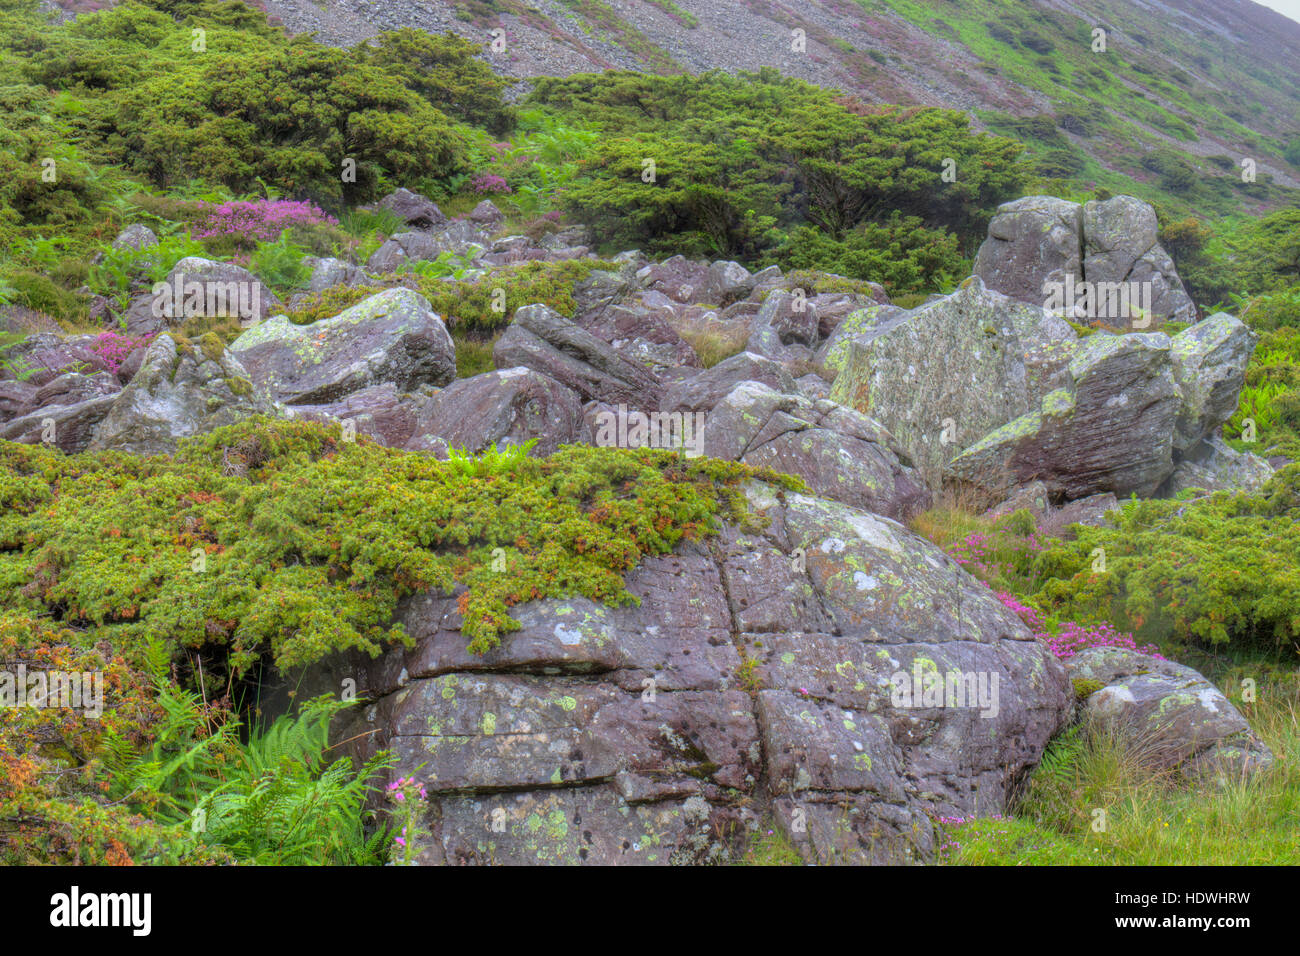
column 1201, row 78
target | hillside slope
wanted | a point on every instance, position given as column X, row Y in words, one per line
column 1203, row 78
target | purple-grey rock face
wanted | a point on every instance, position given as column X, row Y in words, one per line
column 1177, row 718
column 1039, row 246
column 391, row 337
column 806, row 673
column 543, row 340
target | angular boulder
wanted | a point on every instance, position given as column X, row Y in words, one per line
column 545, row 341
column 841, row 454
column 1110, row 429
column 1212, row 465
column 1171, row 715
column 1209, row 363
column 763, row 675
column 952, row 370
column 413, row 209
column 391, row 337
column 182, row 389
column 1044, row 250
column 496, row 410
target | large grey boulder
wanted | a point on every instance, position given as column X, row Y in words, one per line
column 841, row 454
column 393, row 336
column 952, row 370
column 1209, row 364
column 1039, row 247
column 1119, row 246
column 762, row 675
column 182, row 389
column 1031, row 241
column 545, row 341
column 1109, row 429
column 1170, row 714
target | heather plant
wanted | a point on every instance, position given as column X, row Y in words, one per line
column 263, row 220
column 114, row 347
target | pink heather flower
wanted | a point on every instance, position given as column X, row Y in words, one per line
column 113, row 348
column 489, row 183
column 260, row 221
column 1072, row 637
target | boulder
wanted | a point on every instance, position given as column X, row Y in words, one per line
column 703, row 391
column 841, row 454
column 1051, row 520
column 70, row 428
column 1171, row 715
column 768, row 676
column 201, row 288
column 496, row 410
column 677, row 278
column 1031, row 242
column 16, row 398
column 1119, row 246
column 391, row 337
column 950, row 371
column 863, row 322
column 783, row 320
column 642, row 335
column 1209, row 363
column 1211, row 465
column 1081, row 259
column 413, row 209
column 47, row 355
column 487, row 214
column 182, row 389
column 136, row 236
column 1108, row 430
column 327, row 273
column 541, row 339
column 380, row 412
column 726, row 282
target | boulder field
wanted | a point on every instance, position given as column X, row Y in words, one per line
column 760, row 682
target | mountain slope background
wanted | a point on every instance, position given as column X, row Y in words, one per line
column 1206, row 82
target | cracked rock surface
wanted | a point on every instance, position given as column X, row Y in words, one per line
column 752, row 688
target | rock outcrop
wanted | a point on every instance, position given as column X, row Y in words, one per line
column 1169, row 714
column 765, row 676
column 391, row 337
column 1044, row 250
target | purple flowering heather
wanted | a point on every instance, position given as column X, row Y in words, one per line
column 260, row 221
